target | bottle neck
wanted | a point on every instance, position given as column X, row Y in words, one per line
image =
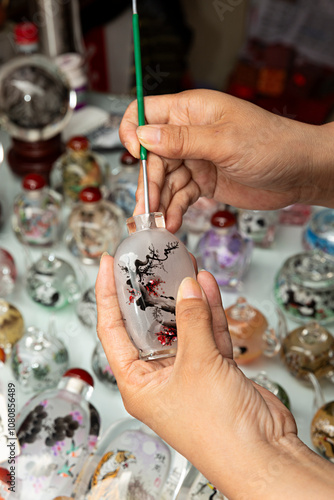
column 153, row 220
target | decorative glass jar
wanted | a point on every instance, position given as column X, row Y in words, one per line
column 54, row 431
column 223, row 251
column 304, row 287
column 259, row 226
column 149, row 267
column 309, row 349
column 131, row 461
column 52, row 282
column 77, row 168
column 11, row 325
column 38, row 360
column 7, row 273
column 94, row 226
column 123, row 185
column 252, row 334
column 36, row 217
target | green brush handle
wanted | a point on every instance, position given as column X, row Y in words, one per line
column 139, row 79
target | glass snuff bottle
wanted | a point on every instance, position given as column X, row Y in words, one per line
column 36, row 217
column 309, row 349
column 252, row 334
column 54, row 430
column 11, row 325
column 223, row 251
column 86, row 308
column 259, row 226
column 8, row 273
column 77, row 168
column 52, row 282
column 263, row 380
column 101, row 367
column 123, row 185
column 295, row 215
column 95, row 226
column 304, row 287
column 149, row 267
column 39, row 359
column 197, row 218
column 319, row 232
column 131, row 461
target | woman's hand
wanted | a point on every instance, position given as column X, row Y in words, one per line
column 235, row 432
column 207, row 143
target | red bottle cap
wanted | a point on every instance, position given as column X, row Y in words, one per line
column 4, row 475
column 80, row 374
column 32, row 182
column 2, row 355
column 26, row 33
column 128, row 159
column 78, row 143
column 223, row 218
column 90, row 194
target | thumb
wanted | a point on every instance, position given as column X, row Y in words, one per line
column 194, row 323
column 180, row 141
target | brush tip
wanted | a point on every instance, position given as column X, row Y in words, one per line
column 134, row 6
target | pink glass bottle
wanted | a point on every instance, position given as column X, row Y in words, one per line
column 149, row 267
column 295, row 215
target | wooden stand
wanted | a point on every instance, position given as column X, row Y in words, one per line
column 34, row 157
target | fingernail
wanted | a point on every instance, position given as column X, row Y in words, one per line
column 149, row 134
column 189, row 289
column 104, row 253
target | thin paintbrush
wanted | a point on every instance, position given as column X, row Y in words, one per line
column 140, row 97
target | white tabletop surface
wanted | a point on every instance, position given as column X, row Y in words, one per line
column 81, row 341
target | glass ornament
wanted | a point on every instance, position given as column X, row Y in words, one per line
column 39, row 360
column 101, row 367
column 35, row 100
column 149, row 267
column 77, row 168
column 36, row 217
column 11, row 325
column 309, row 349
column 131, row 462
column 295, row 215
column 252, row 333
column 304, row 287
column 223, row 251
column 8, row 273
column 123, row 185
column 322, row 431
column 198, row 216
column 94, row 226
column 54, row 431
column 86, row 308
column 52, row 282
column 259, row 226
column 319, row 232
column 263, row 380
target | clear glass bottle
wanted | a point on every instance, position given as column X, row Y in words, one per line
column 319, row 232
column 131, row 461
column 86, row 308
column 198, row 216
column 149, row 267
column 39, row 360
column 7, row 273
column 54, row 430
column 253, row 333
column 259, row 226
column 95, row 226
column 295, row 215
column 11, row 325
column 36, row 217
column 223, row 251
column 123, row 185
column 309, row 349
column 101, row 367
column 52, row 282
column 77, row 168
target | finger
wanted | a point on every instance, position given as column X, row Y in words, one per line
column 110, row 327
column 219, row 322
column 194, row 325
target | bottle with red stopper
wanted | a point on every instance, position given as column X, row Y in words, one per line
column 79, row 167
column 54, row 431
column 36, row 217
column 95, row 225
column 224, row 251
column 123, row 186
column 26, row 38
column 149, row 267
